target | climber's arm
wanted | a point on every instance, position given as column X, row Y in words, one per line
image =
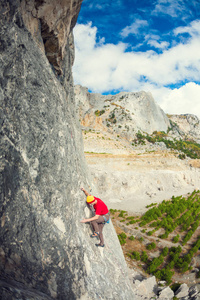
column 85, row 192
column 90, row 219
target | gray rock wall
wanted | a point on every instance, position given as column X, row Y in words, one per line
column 45, row 252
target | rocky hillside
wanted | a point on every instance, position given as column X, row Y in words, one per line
column 126, row 114
column 136, row 153
column 188, row 126
column 45, row 252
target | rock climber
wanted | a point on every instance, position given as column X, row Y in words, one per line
column 98, row 221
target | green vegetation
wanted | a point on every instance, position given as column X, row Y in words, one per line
column 122, row 238
column 151, row 246
column 165, row 251
column 112, row 211
column 112, row 119
column 175, row 220
column 186, row 147
column 144, row 257
column 98, row 113
column 176, row 238
column 135, row 255
column 122, row 213
column 150, row 205
column 131, row 238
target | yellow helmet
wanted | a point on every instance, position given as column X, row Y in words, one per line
column 90, row 199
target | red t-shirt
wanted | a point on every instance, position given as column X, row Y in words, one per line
column 100, row 208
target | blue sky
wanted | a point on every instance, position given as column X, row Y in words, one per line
column 132, row 45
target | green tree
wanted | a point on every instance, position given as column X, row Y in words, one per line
column 144, row 256
column 122, row 238
column 131, row 238
column 165, row 251
column 151, row 246
column 135, row 255
column 176, row 238
column 154, row 264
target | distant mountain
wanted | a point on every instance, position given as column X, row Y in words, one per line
column 126, row 114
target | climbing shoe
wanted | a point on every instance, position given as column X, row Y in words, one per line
column 95, row 235
column 99, row 245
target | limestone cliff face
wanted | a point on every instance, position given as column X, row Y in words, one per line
column 188, row 126
column 45, row 252
column 50, row 23
column 124, row 113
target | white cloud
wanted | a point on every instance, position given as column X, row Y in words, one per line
column 184, row 100
column 159, row 45
column 134, row 28
column 105, row 67
column 85, row 37
column 154, row 40
column 171, row 8
column 193, row 29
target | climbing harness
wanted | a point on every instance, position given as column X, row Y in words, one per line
column 105, row 218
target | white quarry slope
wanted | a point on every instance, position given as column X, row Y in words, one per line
column 131, row 182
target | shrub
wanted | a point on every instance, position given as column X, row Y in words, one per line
column 130, row 218
column 187, row 258
column 170, row 265
column 151, row 246
column 131, row 238
column 166, row 275
column 184, row 267
column 135, row 255
column 176, row 238
column 165, row 251
column 176, row 250
column 150, row 205
column 155, row 263
column 122, row 213
column 99, row 112
column 158, row 274
column 142, row 223
column 122, row 238
column 182, row 156
column 112, row 115
column 144, row 256
column 123, row 235
column 150, row 232
column 187, row 237
column 112, row 211
column 132, row 222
